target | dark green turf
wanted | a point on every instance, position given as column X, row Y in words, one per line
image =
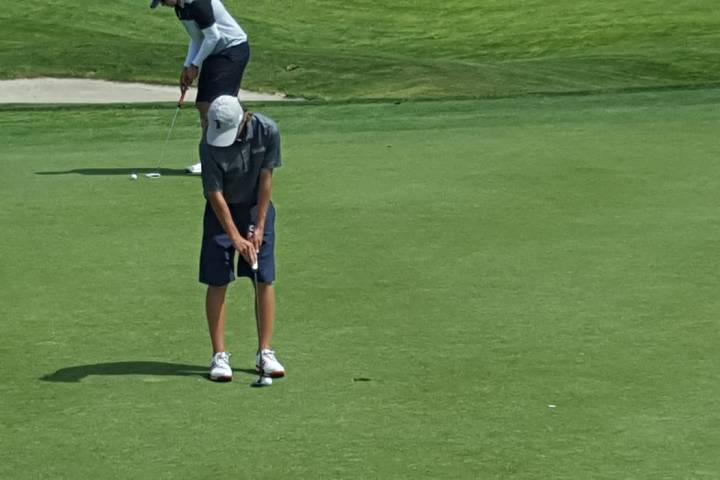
column 476, row 261
column 372, row 48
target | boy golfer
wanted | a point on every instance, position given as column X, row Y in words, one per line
column 218, row 51
column 238, row 154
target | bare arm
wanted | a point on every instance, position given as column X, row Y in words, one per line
column 264, row 195
column 222, row 211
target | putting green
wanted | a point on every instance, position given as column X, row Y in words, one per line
column 447, row 270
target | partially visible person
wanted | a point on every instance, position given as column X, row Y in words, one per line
column 218, row 52
column 239, row 152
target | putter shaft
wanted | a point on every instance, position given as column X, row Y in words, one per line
column 172, row 126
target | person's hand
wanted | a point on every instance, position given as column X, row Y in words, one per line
column 246, row 249
column 181, row 82
column 188, row 76
column 257, row 237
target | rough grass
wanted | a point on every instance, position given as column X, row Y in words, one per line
column 372, row 49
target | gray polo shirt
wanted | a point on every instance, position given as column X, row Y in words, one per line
column 235, row 170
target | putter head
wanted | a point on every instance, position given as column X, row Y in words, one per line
column 153, row 175
column 262, row 381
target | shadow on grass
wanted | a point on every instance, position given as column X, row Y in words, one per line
column 165, row 172
column 77, row 373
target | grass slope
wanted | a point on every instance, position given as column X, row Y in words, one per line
column 476, row 261
column 369, row 48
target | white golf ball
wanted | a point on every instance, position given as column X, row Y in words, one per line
column 263, row 381
column 133, row 176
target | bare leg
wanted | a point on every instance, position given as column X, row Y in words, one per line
column 266, row 319
column 215, row 310
column 203, row 108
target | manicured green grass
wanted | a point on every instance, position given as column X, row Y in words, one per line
column 376, row 49
column 476, row 261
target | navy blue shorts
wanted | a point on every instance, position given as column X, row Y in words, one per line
column 217, row 254
column 221, row 73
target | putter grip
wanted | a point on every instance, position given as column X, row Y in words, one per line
column 251, row 233
column 182, row 98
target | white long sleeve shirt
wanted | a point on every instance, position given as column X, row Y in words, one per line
column 211, row 28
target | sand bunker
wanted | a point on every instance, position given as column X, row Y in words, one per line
column 75, row 90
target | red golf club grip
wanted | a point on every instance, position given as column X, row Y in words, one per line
column 182, row 97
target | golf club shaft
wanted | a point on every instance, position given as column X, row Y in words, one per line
column 257, row 321
column 251, row 235
column 172, row 126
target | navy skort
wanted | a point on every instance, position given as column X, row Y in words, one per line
column 217, row 254
column 221, row 73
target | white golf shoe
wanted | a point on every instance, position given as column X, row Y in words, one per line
column 220, row 370
column 270, row 365
column 195, row 169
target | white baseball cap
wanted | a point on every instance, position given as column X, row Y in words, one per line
column 224, row 117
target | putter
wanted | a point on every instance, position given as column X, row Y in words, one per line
column 156, row 173
column 263, row 380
